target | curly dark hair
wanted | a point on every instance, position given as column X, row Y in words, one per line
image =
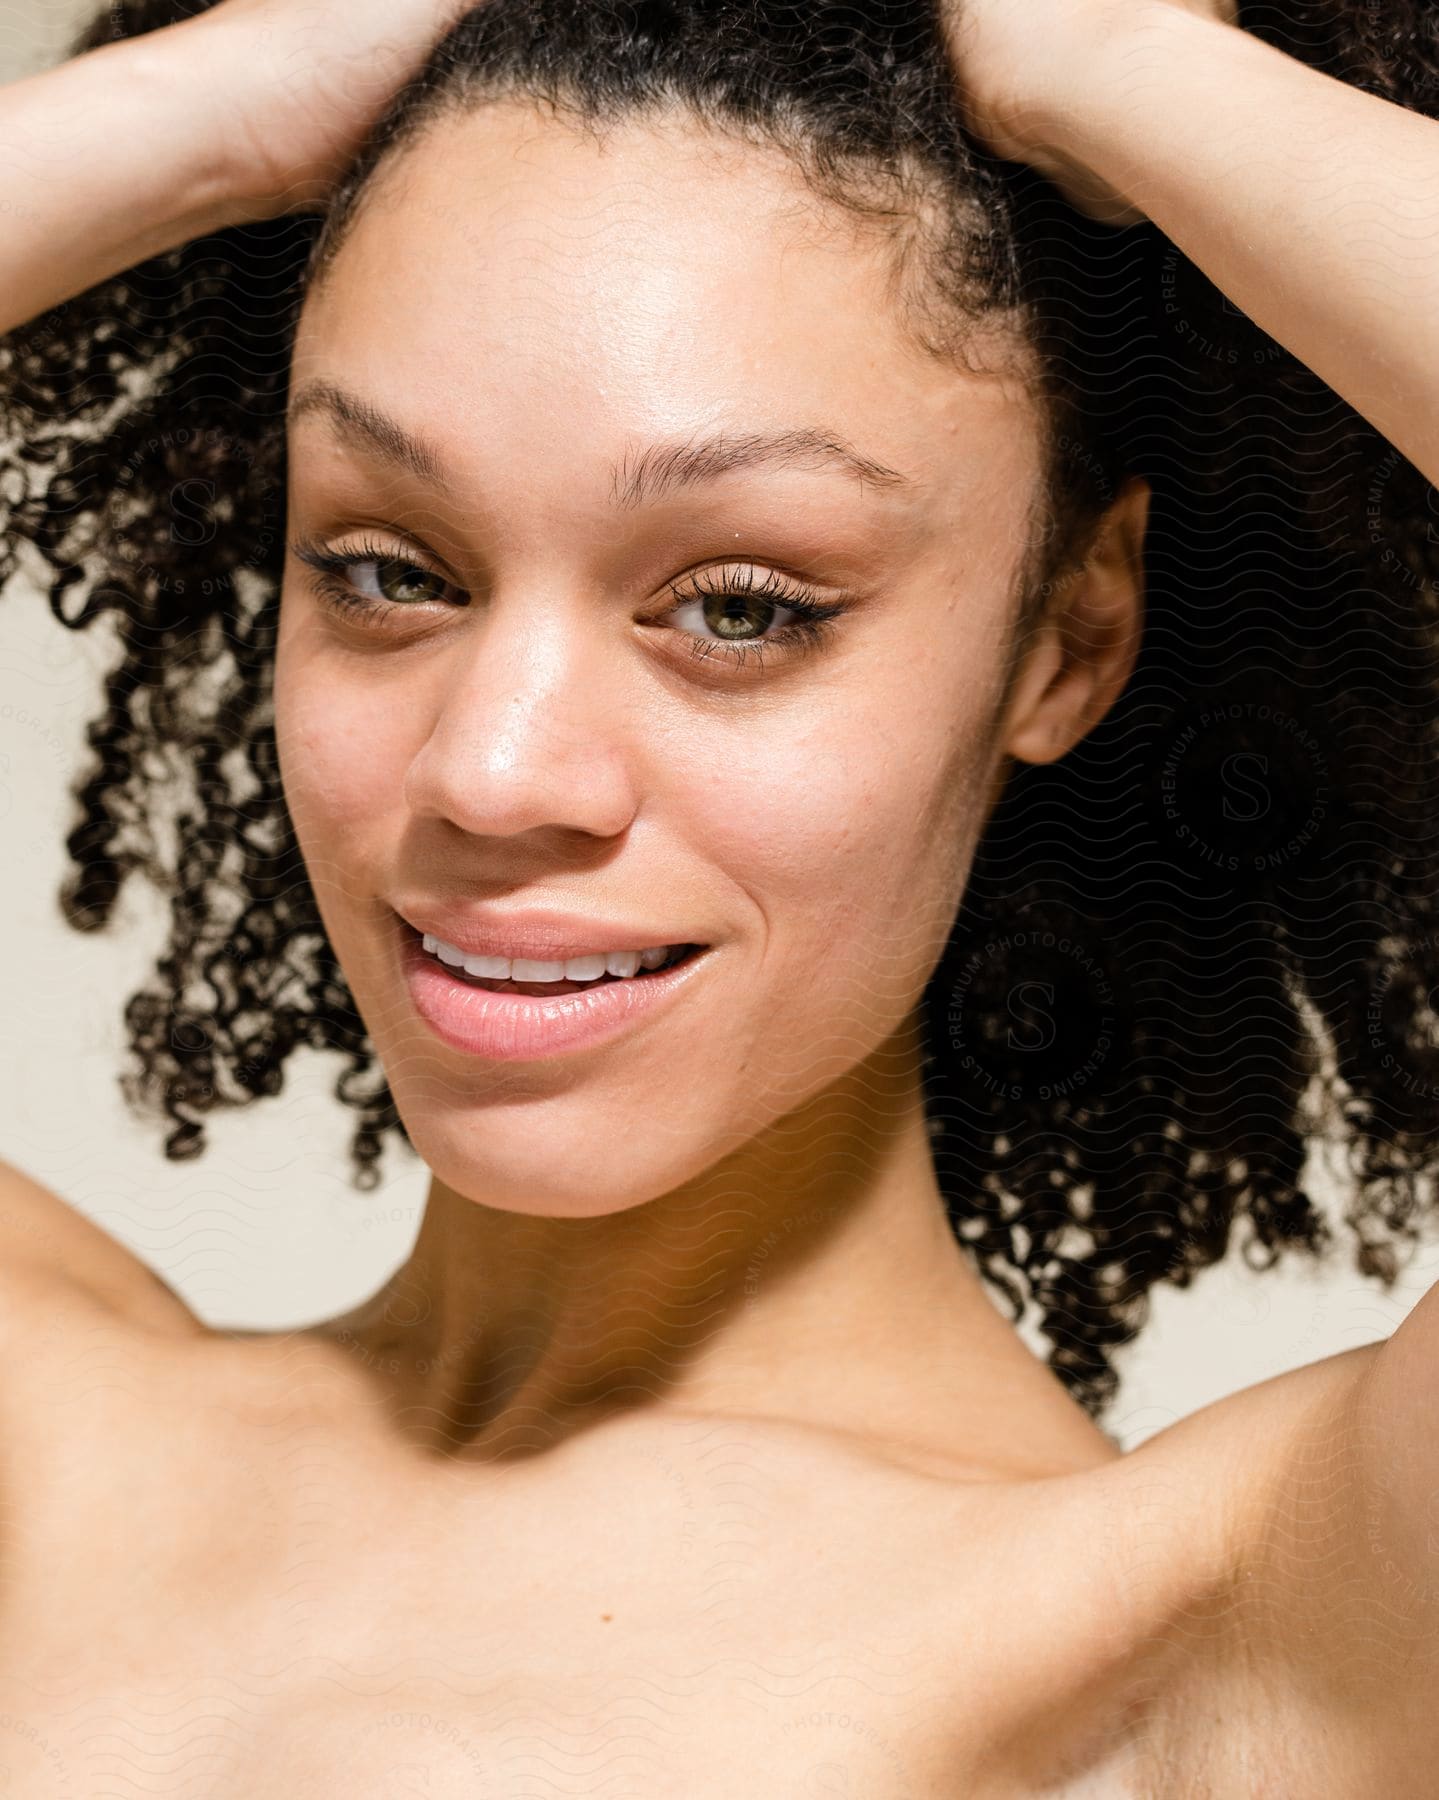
column 1202, row 939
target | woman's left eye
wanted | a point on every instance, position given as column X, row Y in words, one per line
column 739, row 609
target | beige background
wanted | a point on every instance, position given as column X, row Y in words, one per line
column 36, row 32
column 264, row 1230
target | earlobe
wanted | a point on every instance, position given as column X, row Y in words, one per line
column 1084, row 641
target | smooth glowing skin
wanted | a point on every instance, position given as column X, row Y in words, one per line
column 540, row 308
column 753, row 1566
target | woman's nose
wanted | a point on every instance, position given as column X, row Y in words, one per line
column 531, row 730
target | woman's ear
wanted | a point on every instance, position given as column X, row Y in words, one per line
column 1082, row 643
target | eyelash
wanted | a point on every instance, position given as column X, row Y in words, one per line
column 808, row 628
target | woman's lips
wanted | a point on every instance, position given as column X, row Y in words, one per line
column 542, row 989
column 527, row 1021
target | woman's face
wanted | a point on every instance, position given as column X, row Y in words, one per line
column 550, row 714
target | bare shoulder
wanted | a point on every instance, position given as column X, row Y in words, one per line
column 110, row 1384
column 102, row 1360
column 1255, row 1518
column 72, row 1296
column 47, row 1245
column 99, row 1350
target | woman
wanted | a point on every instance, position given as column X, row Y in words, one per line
column 710, row 552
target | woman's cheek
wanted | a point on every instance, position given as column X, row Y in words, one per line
column 832, row 838
column 330, row 733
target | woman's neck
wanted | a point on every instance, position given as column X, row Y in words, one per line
column 812, row 1278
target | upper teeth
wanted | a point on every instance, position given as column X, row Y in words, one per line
column 577, row 968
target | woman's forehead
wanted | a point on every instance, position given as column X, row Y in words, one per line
column 660, row 234
column 587, row 304
column 522, row 281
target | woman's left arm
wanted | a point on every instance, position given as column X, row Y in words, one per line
column 1313, row 206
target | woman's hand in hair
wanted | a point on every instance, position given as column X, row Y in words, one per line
column 1022, row 66
column 250, row 109
column 1311, row 204
column 297, row 83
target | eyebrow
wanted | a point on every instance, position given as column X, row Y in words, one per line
column 659, row 470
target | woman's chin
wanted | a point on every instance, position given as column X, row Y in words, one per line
column 547, row 1186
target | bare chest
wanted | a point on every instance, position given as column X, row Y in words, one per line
column 258, row 1608
column 328, row 1669
column 250, row 1728
column 276, row 1697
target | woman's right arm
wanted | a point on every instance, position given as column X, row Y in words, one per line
column 111, row 158
column 45, row 1239
column 241, row 112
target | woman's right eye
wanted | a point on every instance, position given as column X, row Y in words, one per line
column 399, row 582
column 368, row 578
